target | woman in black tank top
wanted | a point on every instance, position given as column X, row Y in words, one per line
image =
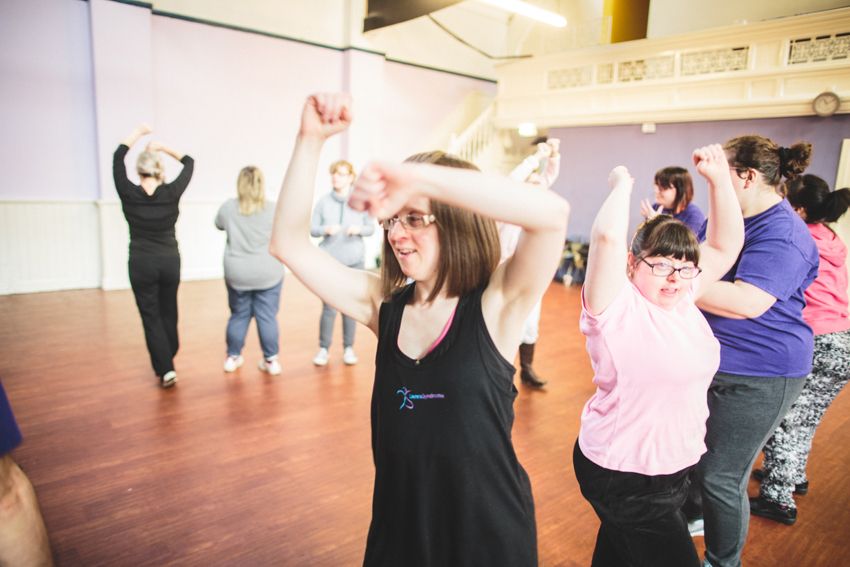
column 449, row 490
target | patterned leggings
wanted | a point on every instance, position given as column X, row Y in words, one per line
column 786, row 453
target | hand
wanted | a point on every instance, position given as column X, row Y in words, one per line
column 332, row 229
column 154, row 147
column 325, row 114
column 382, row 189
column 352, row 230
column 554, row 146
column 620, row 176
column 711, row 162
column 648, row 211
column 544, row 150
column 143, row 129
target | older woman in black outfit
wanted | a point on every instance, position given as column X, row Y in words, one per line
column 151, row 210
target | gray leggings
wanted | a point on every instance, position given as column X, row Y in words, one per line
column 326, row 322
column 743, row 412
column 326, row 327
column 787, row 452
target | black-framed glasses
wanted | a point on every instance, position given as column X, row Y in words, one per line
column 410, row 221
column 663, row 270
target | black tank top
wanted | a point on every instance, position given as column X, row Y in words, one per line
column 449, row 490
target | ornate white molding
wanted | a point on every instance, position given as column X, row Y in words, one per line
column 760, row 70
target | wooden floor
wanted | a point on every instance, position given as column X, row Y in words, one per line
column 246, row 469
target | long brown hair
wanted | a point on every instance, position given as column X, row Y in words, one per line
column 469, row 243
column 769, row 158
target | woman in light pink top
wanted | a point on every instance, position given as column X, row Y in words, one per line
column 786, row 453
column 653, row 356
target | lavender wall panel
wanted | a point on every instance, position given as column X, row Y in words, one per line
column 589, row 153
column 47, row 150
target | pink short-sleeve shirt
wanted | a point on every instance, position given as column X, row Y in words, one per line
column 652, row 369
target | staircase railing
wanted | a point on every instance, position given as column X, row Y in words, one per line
column 473, row 141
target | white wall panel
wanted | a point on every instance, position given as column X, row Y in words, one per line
column 47, row 246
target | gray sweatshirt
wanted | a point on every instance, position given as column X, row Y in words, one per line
column 247, row 262
column 333, row 209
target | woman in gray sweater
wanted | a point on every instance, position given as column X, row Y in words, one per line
column 342, row 230
column 253, row 277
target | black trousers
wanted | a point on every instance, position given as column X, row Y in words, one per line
column 642, row 520
column 155, row 280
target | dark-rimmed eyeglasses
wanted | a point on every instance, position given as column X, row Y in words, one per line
column 410, row 221
column 663, row 270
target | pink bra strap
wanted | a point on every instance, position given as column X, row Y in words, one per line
column 443, row 333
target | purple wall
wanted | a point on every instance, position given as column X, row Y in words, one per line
column 589, row 153
column 47, row 146
column 78, row 76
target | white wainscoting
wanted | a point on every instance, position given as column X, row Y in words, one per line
column 49, row 246
column 46, row 246
column 201, row 244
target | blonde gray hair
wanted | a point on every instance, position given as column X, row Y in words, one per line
column 148, row 164
column 251, row 188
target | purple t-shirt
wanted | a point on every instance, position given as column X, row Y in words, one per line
column 781, row 258
column 690, row 216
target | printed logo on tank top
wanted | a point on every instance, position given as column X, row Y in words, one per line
column 407, row 398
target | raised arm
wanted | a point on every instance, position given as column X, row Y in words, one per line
column 119, row 168
column 354, row 292
column 725, row 229
column 159, row 147
column 383, row 189
column 138, row 132
column 606, row 263
column 553, row 164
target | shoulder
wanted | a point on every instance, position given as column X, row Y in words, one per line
column 693, row 211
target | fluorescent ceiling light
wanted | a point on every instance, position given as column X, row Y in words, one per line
column 529, row 11
column 527, row 130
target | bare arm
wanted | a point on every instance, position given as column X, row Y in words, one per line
column 138, row 132
column 725, row 230
column 738, row 300
column 383, row 189
column 158, row 147
column 354, row 292
column 606, row 263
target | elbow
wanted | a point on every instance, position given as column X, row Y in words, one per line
column 605, row 236
column 277, row 251
column 561, row 214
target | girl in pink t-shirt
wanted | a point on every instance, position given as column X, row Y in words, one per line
column 653, row 356
column 787, row 452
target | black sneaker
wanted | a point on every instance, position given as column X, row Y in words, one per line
column 773, row 511
column 799, row 489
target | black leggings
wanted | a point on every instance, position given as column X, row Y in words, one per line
column 155, row 280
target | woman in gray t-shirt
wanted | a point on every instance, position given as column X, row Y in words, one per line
column 253, row 277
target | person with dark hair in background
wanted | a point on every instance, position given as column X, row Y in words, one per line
column 787, row 451
column 653, row 357
column 756, row 312
column 342, row 230
column 449, row 489
column 151, row 209
column 23, row 537
column 253, row 276
column 674, row 193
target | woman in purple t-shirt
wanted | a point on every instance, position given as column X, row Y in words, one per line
column 787, row 451
column 674, row 191
column 756, row 312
